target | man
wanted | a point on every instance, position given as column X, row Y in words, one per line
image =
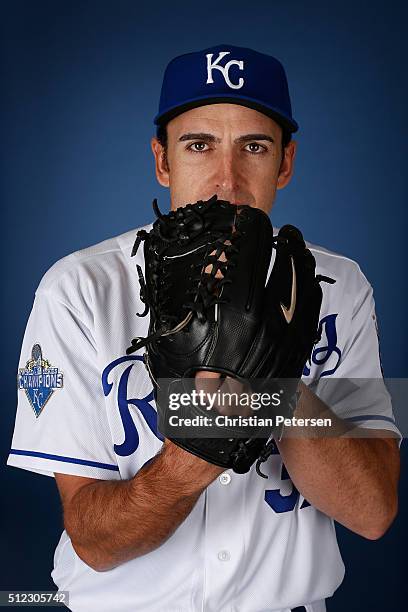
column 149, row 526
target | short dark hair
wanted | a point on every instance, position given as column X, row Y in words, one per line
column 161, row 135
column 286, row 137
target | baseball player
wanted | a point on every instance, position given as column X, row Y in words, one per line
column 150, row 526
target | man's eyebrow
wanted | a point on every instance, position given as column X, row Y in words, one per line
column 212, row 138
column 251, row 137
column 199, row 136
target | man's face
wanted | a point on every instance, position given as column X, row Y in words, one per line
column 224, row 149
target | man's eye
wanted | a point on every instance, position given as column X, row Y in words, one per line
column 198, row 147
column 254, row 147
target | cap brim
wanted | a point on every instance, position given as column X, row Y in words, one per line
column 275, row 114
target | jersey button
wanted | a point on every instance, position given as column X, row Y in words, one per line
column 225, row 478
column 224, row 555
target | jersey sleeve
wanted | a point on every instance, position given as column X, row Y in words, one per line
column 357, row 391
column 61, row 422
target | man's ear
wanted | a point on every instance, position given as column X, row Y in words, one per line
column 287, row 165
column 161, row 164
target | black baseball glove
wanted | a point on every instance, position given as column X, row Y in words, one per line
column 204, row 284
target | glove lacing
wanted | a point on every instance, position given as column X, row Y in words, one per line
column 206, row 287
column 264, row 455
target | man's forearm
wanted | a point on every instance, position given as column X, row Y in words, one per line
column 352, row 479
column 110, row 522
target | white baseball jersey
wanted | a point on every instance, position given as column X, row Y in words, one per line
column 85, row 408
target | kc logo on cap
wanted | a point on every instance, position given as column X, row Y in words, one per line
column 215, row 65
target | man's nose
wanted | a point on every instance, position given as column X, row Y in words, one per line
column 227, row 176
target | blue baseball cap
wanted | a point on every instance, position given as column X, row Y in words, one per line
column 226, row 73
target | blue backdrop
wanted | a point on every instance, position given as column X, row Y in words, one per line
column 81, row 82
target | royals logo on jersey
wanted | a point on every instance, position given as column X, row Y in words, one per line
column 39, row 379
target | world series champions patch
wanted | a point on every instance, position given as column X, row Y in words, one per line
column 39, row 379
